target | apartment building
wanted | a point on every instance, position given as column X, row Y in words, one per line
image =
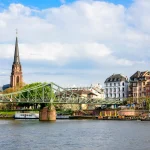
column 139, row 85
column 116, row 87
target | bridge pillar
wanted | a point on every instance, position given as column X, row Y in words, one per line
column 47, row 114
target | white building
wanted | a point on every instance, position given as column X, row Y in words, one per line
column 98, row 91
column 116, row 86
column 94, row 91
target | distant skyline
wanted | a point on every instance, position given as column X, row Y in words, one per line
column 75, row 42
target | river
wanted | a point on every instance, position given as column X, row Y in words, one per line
column 74, row 135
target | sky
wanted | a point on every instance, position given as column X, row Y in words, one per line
column 75, row 42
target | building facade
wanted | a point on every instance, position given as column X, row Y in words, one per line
column 98, row 91
column 16, row 78
column 148, row 89
column 139, row 86
column 94, row 91
column 116, row 87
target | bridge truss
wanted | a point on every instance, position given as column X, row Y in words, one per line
column 52, row 93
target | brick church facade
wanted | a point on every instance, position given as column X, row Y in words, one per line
column 16, row 78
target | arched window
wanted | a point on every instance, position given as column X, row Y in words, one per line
column 17, row 79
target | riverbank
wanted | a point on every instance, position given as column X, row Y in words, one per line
column 7, row 114
column 10, row 115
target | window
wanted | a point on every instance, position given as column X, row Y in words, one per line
column 143, row 83
column 110, row 84
column 114, row 84
column 122, row 89
column 17, row 79
column 123, row 84
column 123, row 95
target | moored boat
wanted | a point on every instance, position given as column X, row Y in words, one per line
column 26, row 115
column 62, row 117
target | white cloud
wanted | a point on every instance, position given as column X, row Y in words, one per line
column 108, row 35
column 57, row 52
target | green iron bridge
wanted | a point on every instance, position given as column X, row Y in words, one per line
column 53, row 94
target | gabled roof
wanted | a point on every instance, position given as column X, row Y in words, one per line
column 139, row 74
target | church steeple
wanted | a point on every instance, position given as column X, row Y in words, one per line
column 16, row 55
column 16, row 78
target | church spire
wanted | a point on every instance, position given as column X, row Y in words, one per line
column 16, row 55
column 16, row 78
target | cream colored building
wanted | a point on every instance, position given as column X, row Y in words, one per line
column 94, row 91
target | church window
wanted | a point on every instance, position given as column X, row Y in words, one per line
column 17, row 79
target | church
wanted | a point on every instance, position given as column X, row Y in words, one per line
column 16, row 78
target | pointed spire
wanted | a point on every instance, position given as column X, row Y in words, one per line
column 16, row 55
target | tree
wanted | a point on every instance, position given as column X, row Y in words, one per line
column 37, row 92
column 18, row 87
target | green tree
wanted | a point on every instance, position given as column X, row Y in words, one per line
column 37, row 92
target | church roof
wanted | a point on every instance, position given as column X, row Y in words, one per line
column 16, row 55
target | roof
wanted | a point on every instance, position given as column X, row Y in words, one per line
column 79, row 92
column 83, row 92
column 116, row 78
column 16, row 54
column 6, row 86
column 139, row 75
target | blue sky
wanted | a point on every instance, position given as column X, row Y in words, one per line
column 75, row 42
column 42, row 4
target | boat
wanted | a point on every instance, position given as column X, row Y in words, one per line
column 62, row 116
column 26, row 115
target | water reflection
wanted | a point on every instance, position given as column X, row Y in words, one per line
column 74, row 135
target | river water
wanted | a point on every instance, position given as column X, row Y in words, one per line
column 74, row 135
